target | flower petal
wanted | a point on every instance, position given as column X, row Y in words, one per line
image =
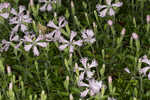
column 93, row 64
column 118, row 4
column 21, row 9
column 51, row 24
column 62, row 21
column 111, row 12
column 71, row 48
column 42, row 44
column 144, row 70
column 108, row 2
column 5, row 15
column 35, row 51
column 62, row 47
column 100, row 7
column 82, row 84
column 73, row 34
column 27, row 39
column 13, row 11
column 49, row 7
column 103, row 12
column 43, row 8
column 27, row 47
column 84, row 93
column 84, row 62
column 79, row 42
column 23, row 28
column 15, row 29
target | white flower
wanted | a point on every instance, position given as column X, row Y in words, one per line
column 87, row 67
column 33, row 43
column 144, row 70
column 88, row 36
column 109, row 98
column 70, row 43
column 20, row 19
column 47, row 5
column 104, row 9
column 93, row 87
column 4, row 6
column 55, row 35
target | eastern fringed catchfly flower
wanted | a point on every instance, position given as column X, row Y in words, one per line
column 70, row 43
column 47, row 6
column 56, row 33
column 88, row 36
column 6, row 44
column 144, row 70
column 4, row 6
column 93, row 87
column 87, row 67
column 33, row 42
column 20, row 19
column 107, row 9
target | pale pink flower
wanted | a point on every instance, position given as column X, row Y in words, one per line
column 55, row 35
column 4, row 6
column 20, row 19
column 6, row 44
column 88, row 36
column 33, row 43
column 144, row 59
column 144, row 70
column 87, row 67
column 70, row 43
column 135, row 36
column 47, row 6
column 93, row 87
column 107, row 9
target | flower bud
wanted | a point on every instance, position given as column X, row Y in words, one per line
column 110, row 23
column 148, row 18
column 31, row 2
column 70, row 97
column 135, row 36
column 123, row 31
column 72, row 4
column 8, row 70
column 10, row 86
column 109, row 79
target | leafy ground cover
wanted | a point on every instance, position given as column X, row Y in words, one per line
column 74, row 49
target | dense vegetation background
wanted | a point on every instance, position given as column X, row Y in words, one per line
column 33, row 74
